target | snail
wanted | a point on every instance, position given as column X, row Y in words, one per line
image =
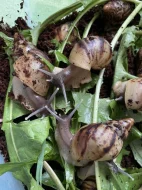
column 30, row 100
column 93, row 142
column 93, row 52
column 117, row 10
column 27, row 62
column 131, row 91
column 89, row 184
column 62, row 31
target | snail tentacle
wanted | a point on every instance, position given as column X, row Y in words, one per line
column 58, row 80
column 45, row 106
column 116, row 169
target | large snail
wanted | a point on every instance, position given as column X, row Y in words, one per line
column 117, row 10
column 30, row 100
column 131, row 91
column 93, row 52
column 27, row 63
column 93, row 142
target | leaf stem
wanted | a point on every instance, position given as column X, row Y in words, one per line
column 53, row 176
column 133, row 1
column 97, row 94
column 125, row 24
column 87, row 29
column 136, row 132
column 87, row 8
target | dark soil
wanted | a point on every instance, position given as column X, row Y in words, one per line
column 4, row 77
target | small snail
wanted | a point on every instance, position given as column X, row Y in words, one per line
column 117, row 10
column 131, row 91
column 93, row 142
column 62, row 31
column 27, row 63
column 89, row 183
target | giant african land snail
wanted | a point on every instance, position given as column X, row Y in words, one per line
column 93, row 52
column 30, row 100
column 131, row 91
column 93, row 142
column 117, row 10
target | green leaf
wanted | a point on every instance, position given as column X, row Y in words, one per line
column 87, row 86
column 136, row 147
column 112, row 181
column 129, row 36
column 140, row 23
column 61, row 57
column 49, row 65
column 69, row 173
column 25, row 139
column 122, row 182
column 12, row 110
column 40, row 164
column 24, row 176
column 119, row 111
column 61, row 104
column 104, row 177
column 9, row 166
column 121, row 66
column 48, row 181
column 85, row 110
column 7, row 39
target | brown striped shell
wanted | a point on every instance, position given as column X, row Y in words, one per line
column 132, row 93
column 27, row 63
column 93, row 52
column 62, row 31
column 117, row 10
column 99, row 141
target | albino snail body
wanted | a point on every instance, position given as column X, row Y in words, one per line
column 131, row 91
column 94, row 142
column 117, row 10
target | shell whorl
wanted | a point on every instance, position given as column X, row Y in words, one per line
column 99, row 141
column 93, row 52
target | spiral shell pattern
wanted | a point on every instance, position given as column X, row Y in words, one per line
column 100, row 141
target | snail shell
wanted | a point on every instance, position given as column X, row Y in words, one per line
column 117, row 10
column 93, row 52
column 62, row 31
column 99, row 141
column 131, row 90
column 27, row 63
column 133, row 94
